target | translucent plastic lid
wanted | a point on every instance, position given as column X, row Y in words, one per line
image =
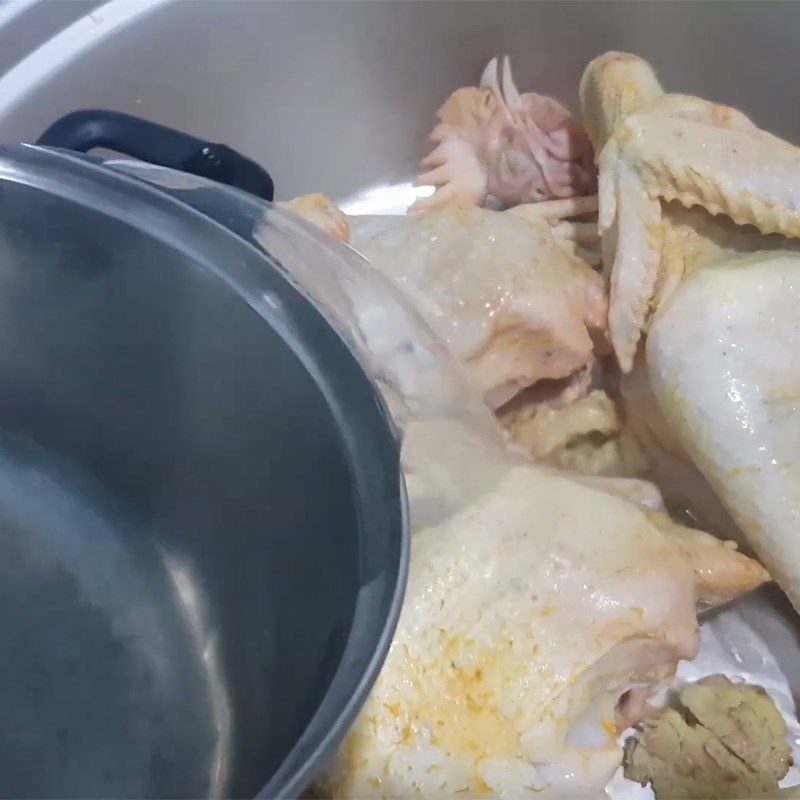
column 443, row 423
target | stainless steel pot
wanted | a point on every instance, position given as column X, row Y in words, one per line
column 339, row 97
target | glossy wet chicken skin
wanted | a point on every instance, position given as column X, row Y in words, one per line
column 700, row 214
column 723, row 362
column 512, row 302
column 535, row 622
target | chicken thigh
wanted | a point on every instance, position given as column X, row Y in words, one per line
column 724, row 363
column 698, row 210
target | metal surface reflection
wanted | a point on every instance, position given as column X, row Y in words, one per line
column 193, row 603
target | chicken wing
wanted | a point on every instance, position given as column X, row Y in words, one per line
column 655, row 148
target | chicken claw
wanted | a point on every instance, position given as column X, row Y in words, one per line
column 494, row 141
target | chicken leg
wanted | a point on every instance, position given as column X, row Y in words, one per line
column 700, row 214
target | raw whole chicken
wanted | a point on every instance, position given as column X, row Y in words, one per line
column 697, row 210
column 536, row 622
column 494, row 141
column 543, row 611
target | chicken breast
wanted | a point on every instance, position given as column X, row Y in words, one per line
column 502, row 289
column 536, row 621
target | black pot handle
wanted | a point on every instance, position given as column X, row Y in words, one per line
column 83, row 131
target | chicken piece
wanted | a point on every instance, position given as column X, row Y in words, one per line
column 655, row 148
column 501, row 288
column 507, row 291
column 536, row 622
column 586, row 435
column 687, row 493
column 321, row 211
column 716, row 739
column 612, row 87
column 580, row 237
column 723, row 281
column 722, row 357
column 719, row 579
column 494, row 141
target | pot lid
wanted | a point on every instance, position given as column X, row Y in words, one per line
column 207, row 231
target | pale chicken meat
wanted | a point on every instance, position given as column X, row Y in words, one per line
column 492, row 141
column 546, row 430
column 512, row 300
column 699, row 210
column 536, row 622
column 686, row 491
column 723, row 363
column 655, row 148
column 586, row 435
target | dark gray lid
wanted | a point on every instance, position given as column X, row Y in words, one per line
column 203, row 541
